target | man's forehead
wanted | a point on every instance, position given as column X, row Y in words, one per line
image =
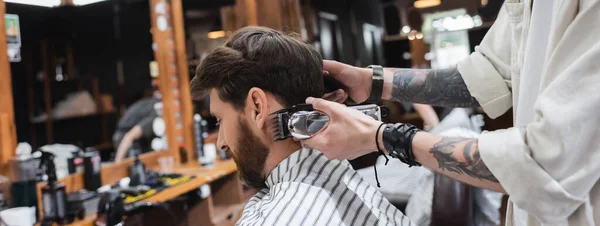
column 214, row 102
column 218, row 106
column 213, row 95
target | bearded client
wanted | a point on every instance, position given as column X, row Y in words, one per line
column 259, row 71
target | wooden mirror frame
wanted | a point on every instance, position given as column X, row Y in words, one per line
column 8, row 132
column 173, row 81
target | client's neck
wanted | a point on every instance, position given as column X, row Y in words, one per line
column 278, row 151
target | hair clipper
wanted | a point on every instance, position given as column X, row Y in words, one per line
column 303, row 122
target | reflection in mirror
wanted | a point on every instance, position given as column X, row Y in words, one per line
column 207, row 29
column 141, row 129
column 81, row 78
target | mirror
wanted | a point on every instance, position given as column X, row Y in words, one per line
column 84, row 78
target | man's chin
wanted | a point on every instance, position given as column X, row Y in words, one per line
column 250, row 157
column 252, row 181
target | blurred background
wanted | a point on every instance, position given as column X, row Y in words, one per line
column 79, row 74
column 102, row 50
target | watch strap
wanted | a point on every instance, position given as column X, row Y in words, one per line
column 377, row 83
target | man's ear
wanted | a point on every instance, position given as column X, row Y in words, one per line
column 257, row 106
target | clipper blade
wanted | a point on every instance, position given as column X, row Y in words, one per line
column 279, row 127
column 279, row 123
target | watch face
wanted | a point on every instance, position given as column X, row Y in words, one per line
column 158, row 126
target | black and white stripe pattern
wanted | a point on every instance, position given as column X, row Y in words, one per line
column 308, row 189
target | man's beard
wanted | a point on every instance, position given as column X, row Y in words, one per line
column 250, row 158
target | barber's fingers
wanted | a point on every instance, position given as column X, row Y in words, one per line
column 328, row 107
column 338, row 96
column 323, row 142
column 333, row 67
column 341, row 96
column 331, row 96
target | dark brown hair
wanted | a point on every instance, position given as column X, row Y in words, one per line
column 261, row 57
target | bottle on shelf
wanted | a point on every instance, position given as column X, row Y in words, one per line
column 54, row 195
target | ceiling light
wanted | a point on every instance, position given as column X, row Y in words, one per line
column 406, row 29
column 419, row 35
column 45, row 3
column 461, row 22
column 216, row 34
column 412, row 35
column 426, row 3
column 85, row 2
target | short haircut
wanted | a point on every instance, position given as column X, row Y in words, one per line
column 279, row 63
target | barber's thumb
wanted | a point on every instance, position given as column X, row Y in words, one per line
column 323, row 105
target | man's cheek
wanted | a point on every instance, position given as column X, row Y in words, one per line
column 232, row 154
column 235, row 156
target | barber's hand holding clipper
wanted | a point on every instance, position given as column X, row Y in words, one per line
column 349, row 133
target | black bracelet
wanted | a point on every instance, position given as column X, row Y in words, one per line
column 377, row 142
column 411, row 136
column 397, row 139
column 380, row 152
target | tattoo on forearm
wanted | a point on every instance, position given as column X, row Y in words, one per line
column 435, row 87
column 471, row 165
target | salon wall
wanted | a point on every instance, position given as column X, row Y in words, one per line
column 352, row 14
column 369, row 12
column 136, row 49
column 96, row 49
column 31, row 26
column 197, row 32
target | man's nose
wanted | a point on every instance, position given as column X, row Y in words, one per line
column 221, row 143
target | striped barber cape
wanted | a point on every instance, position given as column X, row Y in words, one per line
column 308, row 189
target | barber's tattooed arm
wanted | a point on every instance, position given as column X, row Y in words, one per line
column 458, row 158
column 427, row 86
column 461, row 156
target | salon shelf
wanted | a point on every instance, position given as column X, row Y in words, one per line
column 204, row 176
column 36, row 121
column 104, row 146
column 221, row 177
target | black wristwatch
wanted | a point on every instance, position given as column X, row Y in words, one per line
column 377, row 85
column 397, row 140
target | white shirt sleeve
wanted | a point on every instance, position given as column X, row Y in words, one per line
column 550, row 166
column 486, row 71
